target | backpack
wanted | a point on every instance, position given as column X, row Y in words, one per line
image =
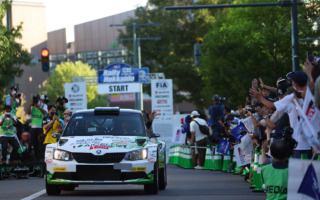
column 203, row 129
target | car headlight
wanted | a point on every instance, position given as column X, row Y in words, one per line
column 61, row 155
column 137, row 155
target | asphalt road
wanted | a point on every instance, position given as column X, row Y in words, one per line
column 183, row 184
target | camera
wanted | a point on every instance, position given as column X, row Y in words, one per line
column 221, row 100
column 18, row 95
column 35, row 99
column 249, row 108
column 286, row 135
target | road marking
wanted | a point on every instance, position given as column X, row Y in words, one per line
column 35, row 195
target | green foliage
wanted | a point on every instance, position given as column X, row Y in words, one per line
column 247, row 43
column 239, row 45
column 173, row 54
column 64, row 73
column 12, row 55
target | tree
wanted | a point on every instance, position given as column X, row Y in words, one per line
column 173, row 54
column 12, row 54
column 64, row 73
column 247, row 43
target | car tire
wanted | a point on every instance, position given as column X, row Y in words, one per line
column 163, row 176
column 52, row 189
column 153, row 188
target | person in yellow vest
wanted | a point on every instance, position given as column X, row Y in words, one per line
column 51, row 126
column 7, row 135
column 275, row 175
column 37, row 109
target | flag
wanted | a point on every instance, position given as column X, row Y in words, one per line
column 312, row 114
column 237, row 130
column 223, row 146
column 248, row 124
column 309, row 185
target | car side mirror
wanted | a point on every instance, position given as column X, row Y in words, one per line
column 154, row 135
column 56, row 135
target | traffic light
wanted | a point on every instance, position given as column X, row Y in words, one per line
column 45, row 60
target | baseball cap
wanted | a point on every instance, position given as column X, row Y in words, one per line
column 42, row 97
column 300, row 78
column 67, row 111
column 195, row 114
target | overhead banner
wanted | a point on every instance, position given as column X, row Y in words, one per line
column 76, row 94
column 162, row 103
column 123, row 73
column 118, row 88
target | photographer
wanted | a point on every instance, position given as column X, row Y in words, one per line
column 216, row 113
column 7, row 135
column 13, row 99
column 275, row 175
column 37, row 109
column 51, row 126
column 60, row 105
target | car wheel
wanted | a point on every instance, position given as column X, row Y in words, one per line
column 163, row 176
column 153, row 188
column 52, row 189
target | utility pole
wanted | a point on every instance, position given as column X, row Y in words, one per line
column 294, row 20
column 134, row 25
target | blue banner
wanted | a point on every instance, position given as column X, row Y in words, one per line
column 118, row 73
column 309, row 185
column 237, row 130
column 223, row 146
column 144, row 75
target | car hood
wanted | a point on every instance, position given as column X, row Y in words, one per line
column 102, row 144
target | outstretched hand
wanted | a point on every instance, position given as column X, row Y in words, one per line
column 256, row 93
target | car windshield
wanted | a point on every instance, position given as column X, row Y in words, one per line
column 88, row 124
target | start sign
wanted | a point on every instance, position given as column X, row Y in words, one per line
column 118, row 88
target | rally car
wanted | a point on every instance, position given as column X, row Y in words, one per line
column 106, row 146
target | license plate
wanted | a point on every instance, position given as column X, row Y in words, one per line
column 135, row 169
column 59, row 169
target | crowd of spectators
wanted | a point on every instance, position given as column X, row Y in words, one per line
column 278, row 126
column 47, row 122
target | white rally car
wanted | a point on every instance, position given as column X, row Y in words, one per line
column 106, row 146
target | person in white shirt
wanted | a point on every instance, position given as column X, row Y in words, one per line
column 198, row 137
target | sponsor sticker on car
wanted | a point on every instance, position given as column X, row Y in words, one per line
column 59, row 169
column 136, row 169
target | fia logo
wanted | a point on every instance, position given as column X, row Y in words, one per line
column 162, row 85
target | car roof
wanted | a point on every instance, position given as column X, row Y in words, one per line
column 122, row 110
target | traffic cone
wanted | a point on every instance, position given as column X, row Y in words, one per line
column 304, row 156
column 208, row 161
column 234, row 164
column 188, row 160
column 176, row 155
column 184, row 157
column 217, row 165
column 244, row 172
column 254, row 168
column 259, row 181
column 226, row 163
column 212, row 155
column 180, row 155
column 319, row 157
column 236, row 169
column 170, row 160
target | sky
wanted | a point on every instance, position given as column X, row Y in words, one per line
column 67, row 13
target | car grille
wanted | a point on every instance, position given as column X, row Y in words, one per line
column 106, row 158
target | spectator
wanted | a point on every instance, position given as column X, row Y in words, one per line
column 286, row 105
column 275, row 175
column 7, row 135
column 67, row 114
column 61, row 106
column 13, row 99
column 200, row 138
column 51, row 126
column 216, row 113
column 37, row 109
